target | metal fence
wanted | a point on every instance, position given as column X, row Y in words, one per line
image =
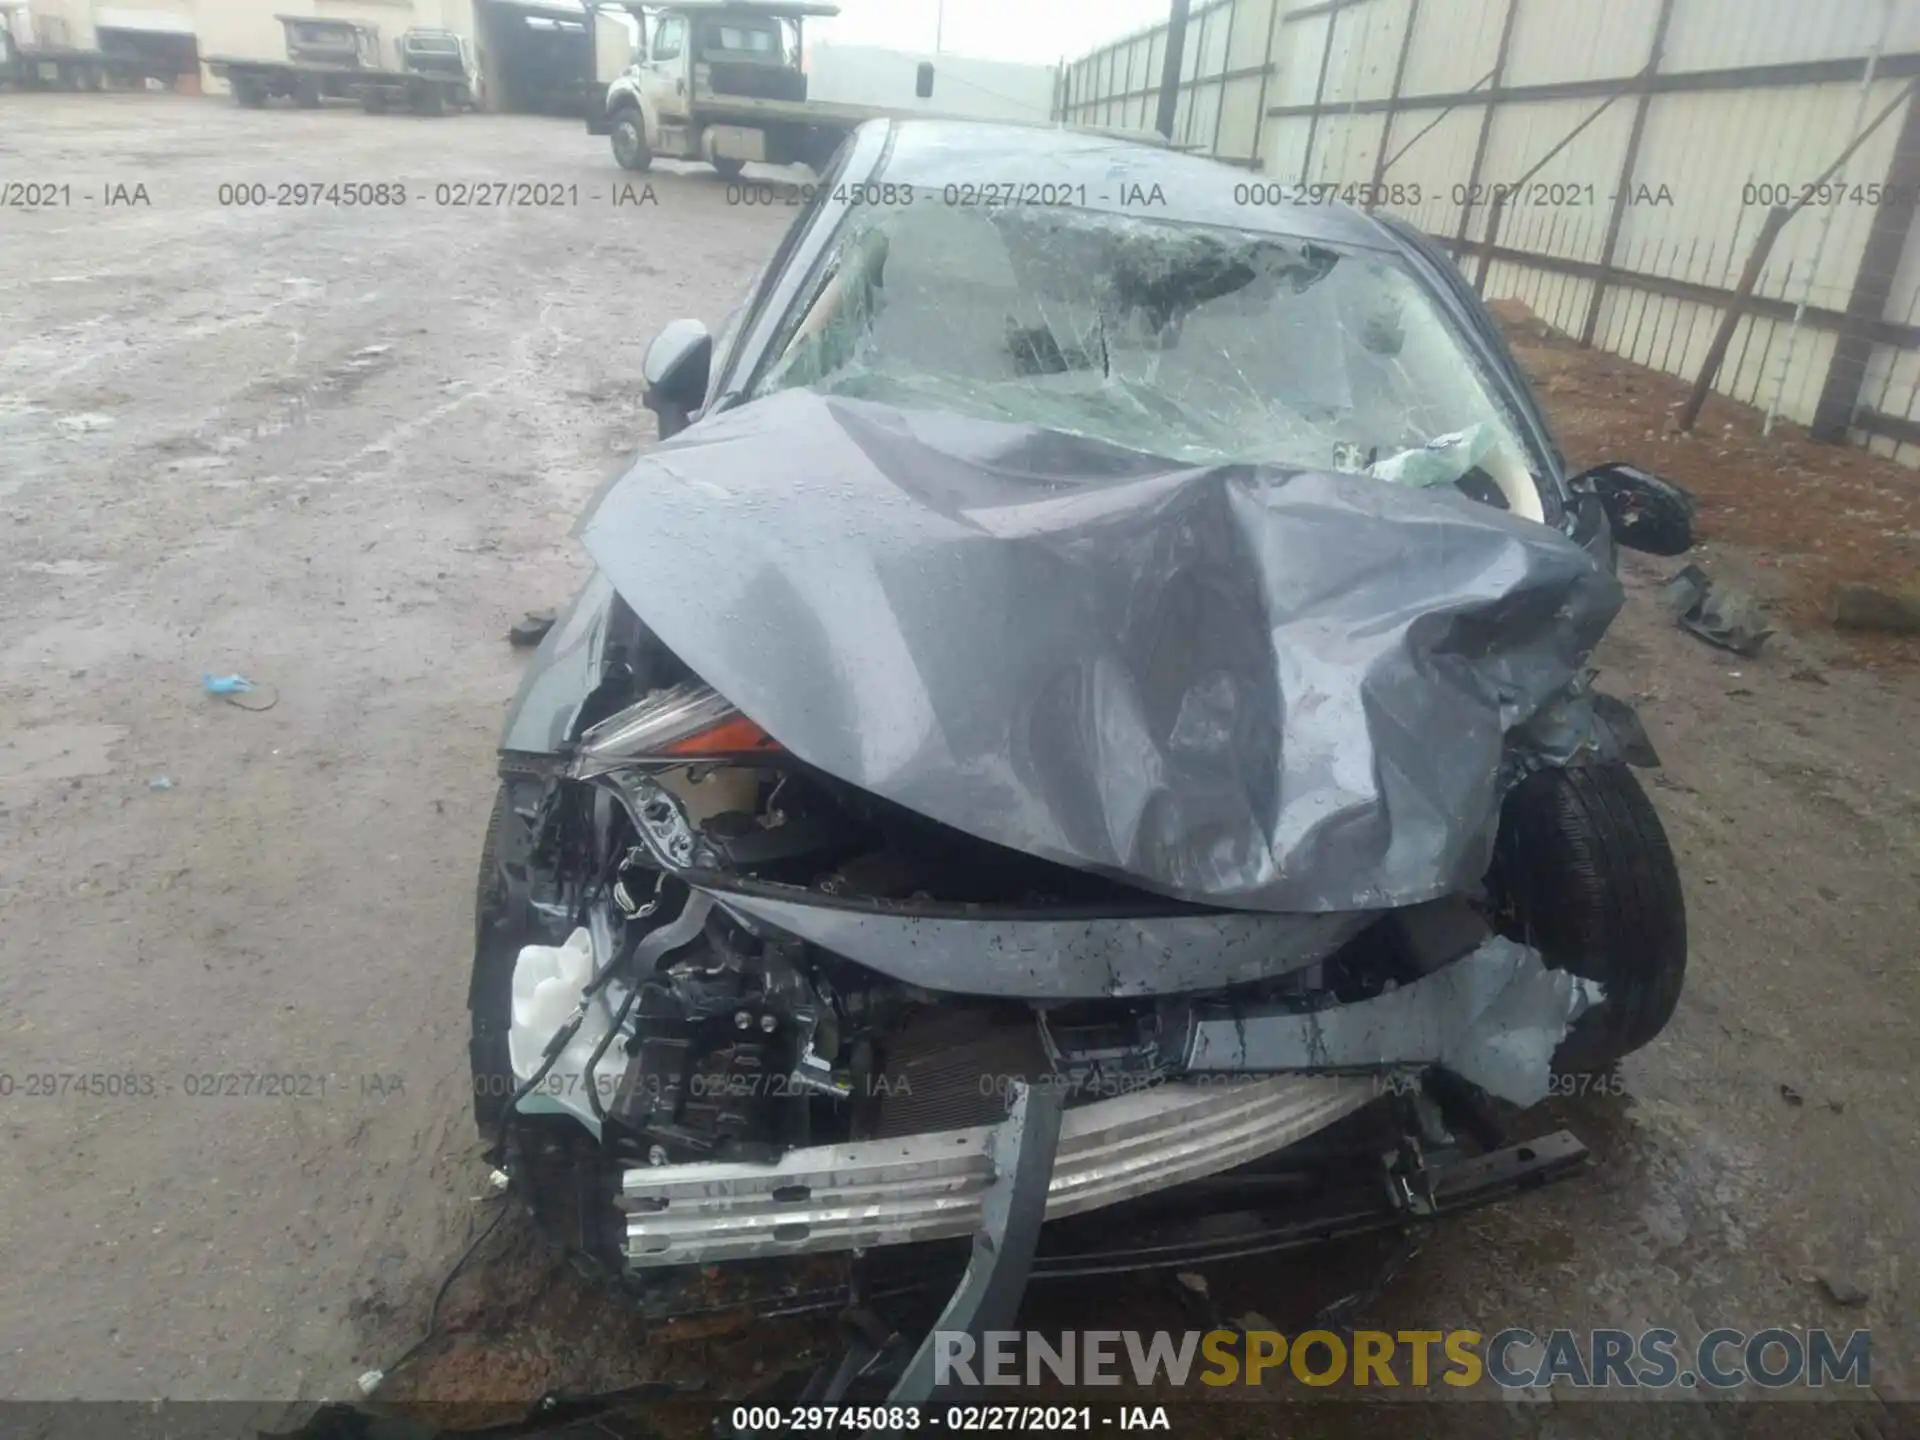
column 1627, row 168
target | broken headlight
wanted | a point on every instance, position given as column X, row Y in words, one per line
column 689, row 721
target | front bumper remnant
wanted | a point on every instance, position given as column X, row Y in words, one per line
column 935, row 1186
column 1493, row 1016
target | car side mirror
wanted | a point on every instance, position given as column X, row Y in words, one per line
column 923, row 80
column 1646, row 513
column 676, row 373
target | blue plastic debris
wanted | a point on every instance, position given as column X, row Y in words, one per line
column 160, row 782
column 238, row 690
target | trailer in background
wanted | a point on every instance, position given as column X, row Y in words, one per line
column 34, row 56
column 341, row 60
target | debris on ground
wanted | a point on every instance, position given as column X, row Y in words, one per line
column 1868, row 607
column 1843, row 1290
column 160, row 782
column 239, row 690
column 1818, row 515
column 1196, row 1299
column 1791, row 1095
column 531, row 628
column 1719, row 615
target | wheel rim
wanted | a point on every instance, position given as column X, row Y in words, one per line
column 626, row 141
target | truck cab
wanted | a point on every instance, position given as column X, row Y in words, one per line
column 433, row 52
column 343, row 44
column 720, row 81
column 745, row 54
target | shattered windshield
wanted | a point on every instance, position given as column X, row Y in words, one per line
column 1201, row 344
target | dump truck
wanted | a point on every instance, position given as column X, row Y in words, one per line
column 342, row 60
column 722, row 81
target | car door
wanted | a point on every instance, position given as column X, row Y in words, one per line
column 663, row 75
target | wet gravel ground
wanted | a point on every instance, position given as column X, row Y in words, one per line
column 338, row 450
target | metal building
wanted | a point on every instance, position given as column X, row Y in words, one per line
column 1620, row 167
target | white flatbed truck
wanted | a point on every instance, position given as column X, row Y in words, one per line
column 721, row 81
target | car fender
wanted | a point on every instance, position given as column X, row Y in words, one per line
column 623, row 94
column 561, row 674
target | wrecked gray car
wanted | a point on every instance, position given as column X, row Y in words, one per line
column 1085, row 707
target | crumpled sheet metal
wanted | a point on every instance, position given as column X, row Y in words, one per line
column 1249, row 687
column 1719, row 615
column 1494, row 1017
column 1060, row 959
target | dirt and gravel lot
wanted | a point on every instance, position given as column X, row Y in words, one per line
column 339, row 450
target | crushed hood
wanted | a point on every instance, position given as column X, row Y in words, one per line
column 1251, row 687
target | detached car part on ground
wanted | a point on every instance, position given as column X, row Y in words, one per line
column 1074, row 704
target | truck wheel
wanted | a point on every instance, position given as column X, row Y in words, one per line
column 246, row 93
column 1583, row 872
column 427, row 100
column 630, row 141
column 729, row 170
column 373, row 100
column 306, row 94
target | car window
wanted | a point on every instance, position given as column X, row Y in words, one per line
column 741, row 42
column 322, row 35
column 1201, row 344
column 753, row 311
column 668, row 39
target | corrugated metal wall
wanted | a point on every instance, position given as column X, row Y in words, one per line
column 1653, row 137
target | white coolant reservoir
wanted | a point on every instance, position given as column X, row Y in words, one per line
column 547, row 981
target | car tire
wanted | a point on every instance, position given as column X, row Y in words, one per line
column 1583, row 872
column 729, row 170
column 630, row 141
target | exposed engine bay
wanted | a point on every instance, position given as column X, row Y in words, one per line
column 723, row 991
column 717, row 1032
column 823, row 917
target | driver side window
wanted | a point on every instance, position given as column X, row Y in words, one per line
column 668, row 39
